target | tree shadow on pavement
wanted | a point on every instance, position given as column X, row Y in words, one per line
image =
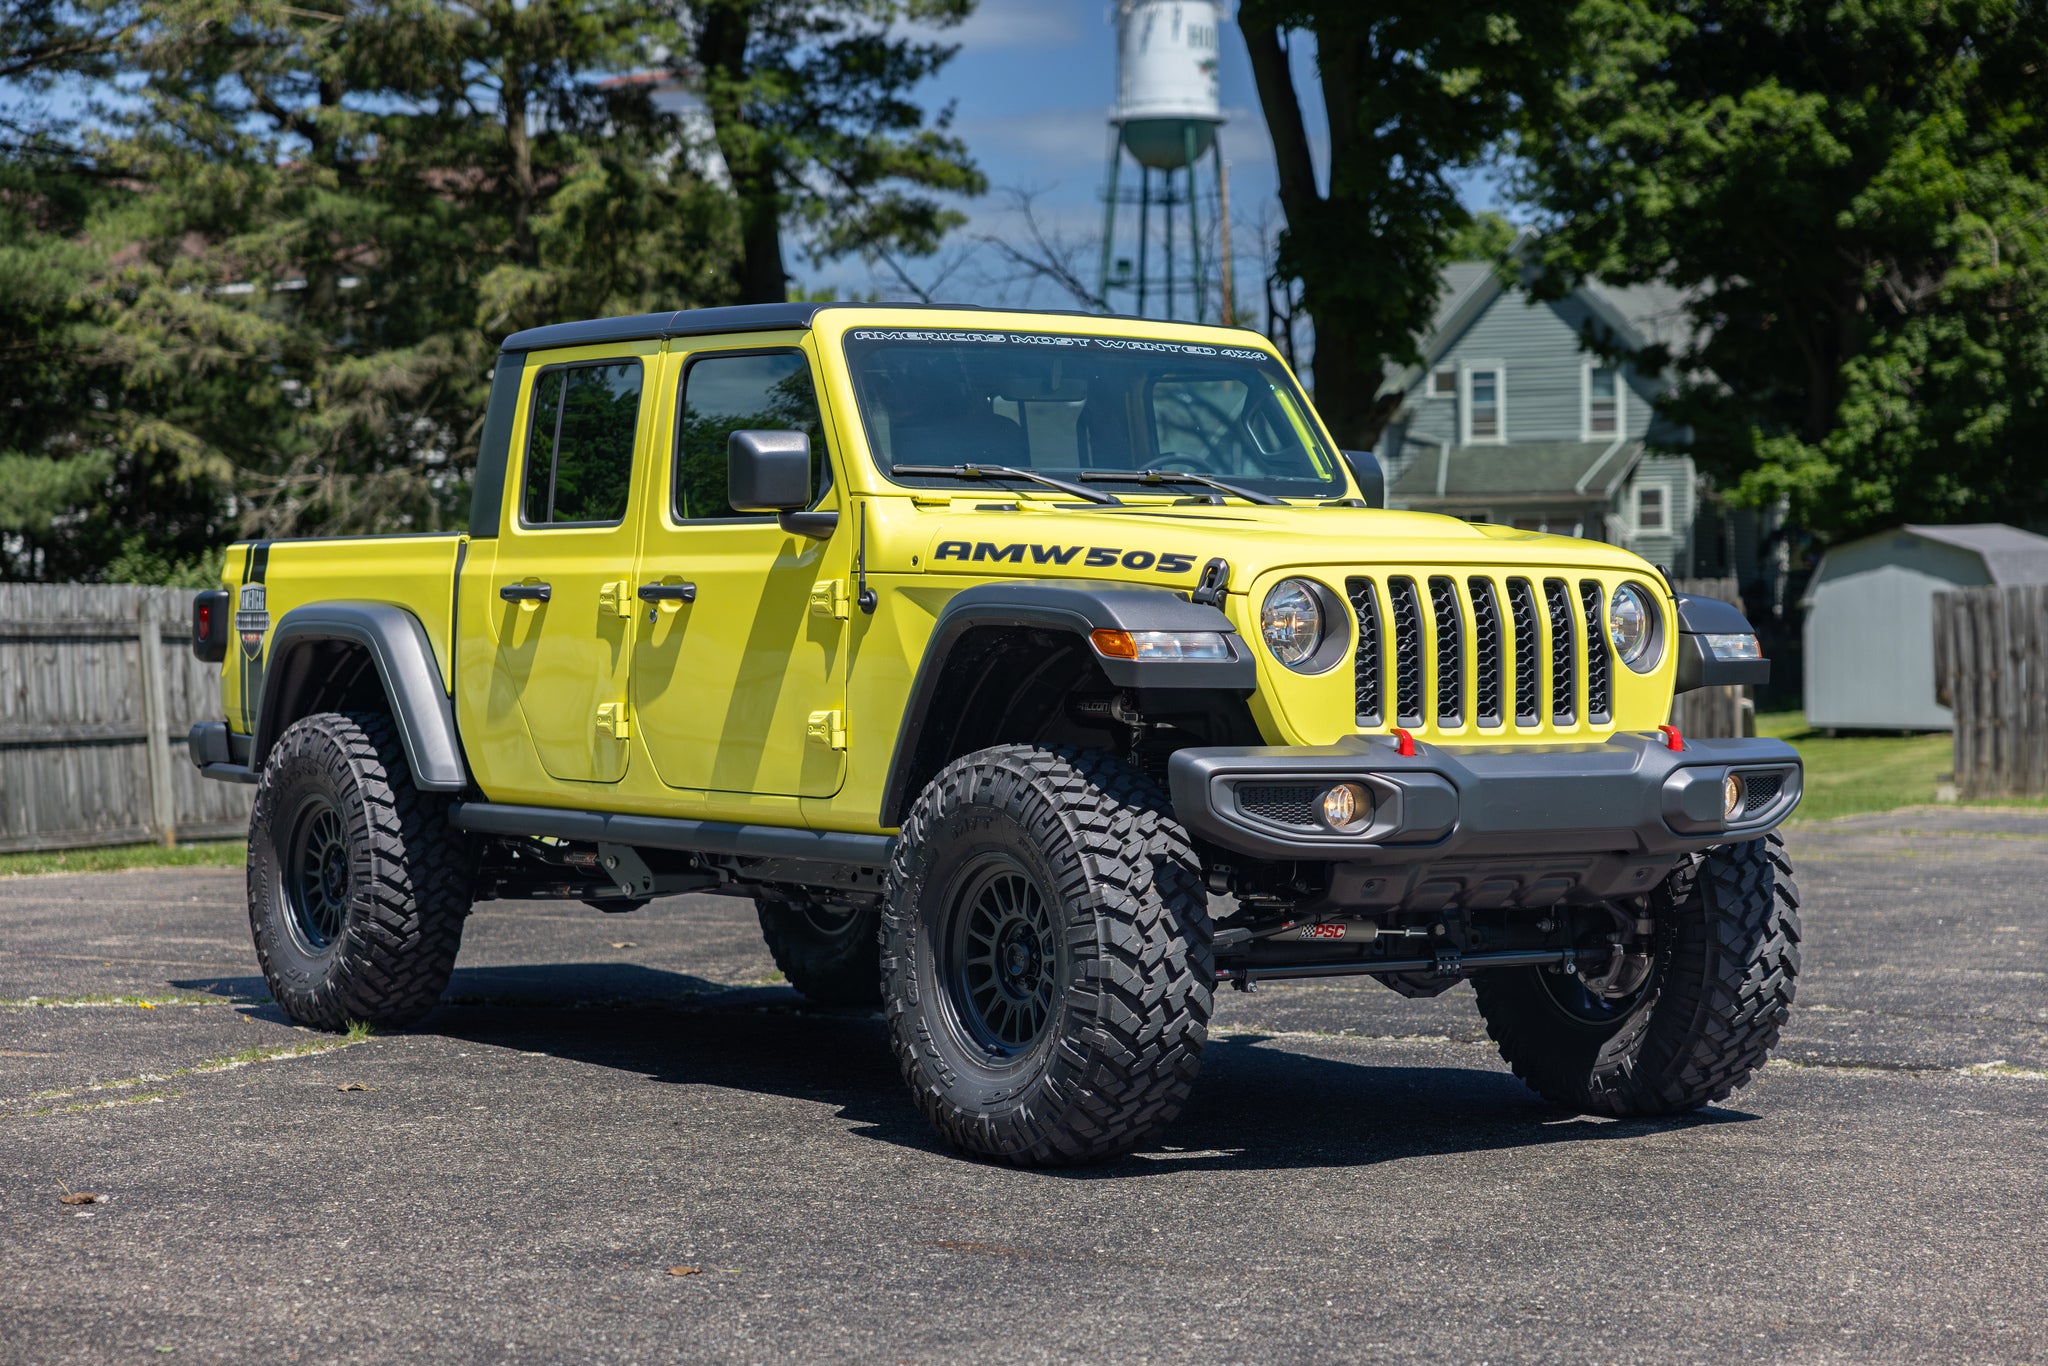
column 1261, row 1104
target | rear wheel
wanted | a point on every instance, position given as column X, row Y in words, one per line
column 1719, row 990
column 828, row 953
column 1045, row 956
column 358, row 886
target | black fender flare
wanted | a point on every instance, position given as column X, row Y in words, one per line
column 1079, row 607
column 404, row 659
column 1697, row 665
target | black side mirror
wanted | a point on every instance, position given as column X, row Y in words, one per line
column 771, row 472
column 768, row 471
column 1372, row 480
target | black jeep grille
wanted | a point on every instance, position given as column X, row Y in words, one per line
column 1450, row 651
column 1528, row 649
column 1407, row 651
column 1599, row 702
column 1517, row 640
column 1564, row 683
column 1489, row 661
column 1367, row 677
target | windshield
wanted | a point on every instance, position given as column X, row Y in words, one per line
column 1070, row 407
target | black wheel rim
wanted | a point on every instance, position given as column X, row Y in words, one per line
column 1002, row 971
column 1572, row 997
column 317, row 875
column 828, row 922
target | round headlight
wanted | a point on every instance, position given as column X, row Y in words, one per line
column 1292, row 622
column 1631, row 625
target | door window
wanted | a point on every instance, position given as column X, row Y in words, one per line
column 756, row 391
column 579, row 445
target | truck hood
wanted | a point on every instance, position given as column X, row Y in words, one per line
column 1168, row 545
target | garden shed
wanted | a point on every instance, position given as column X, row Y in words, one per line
column 1870, row 618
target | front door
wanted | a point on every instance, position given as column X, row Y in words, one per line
column 741, row 687
column 563, row 608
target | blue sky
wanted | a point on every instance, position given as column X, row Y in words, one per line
column 1031, row 91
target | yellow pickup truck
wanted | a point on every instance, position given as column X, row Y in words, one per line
column 1034, row 674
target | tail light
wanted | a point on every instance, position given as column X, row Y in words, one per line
column 210, row 625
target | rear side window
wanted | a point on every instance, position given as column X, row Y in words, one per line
column 755, row 391
column 579, row 444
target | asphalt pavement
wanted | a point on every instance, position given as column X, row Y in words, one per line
column 622, row 1140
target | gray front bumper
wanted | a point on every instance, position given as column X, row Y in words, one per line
column 1630, row 797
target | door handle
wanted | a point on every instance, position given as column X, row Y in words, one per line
column 668, row 592
column 526, row 592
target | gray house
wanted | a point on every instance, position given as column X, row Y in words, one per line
column 1870, row 618
column 1509, row 420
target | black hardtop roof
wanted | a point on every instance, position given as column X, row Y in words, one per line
column 701, row 322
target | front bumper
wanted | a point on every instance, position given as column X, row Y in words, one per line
column 1487, row 826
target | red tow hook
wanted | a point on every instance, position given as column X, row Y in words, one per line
column 1672, row 739
column 1405, row 743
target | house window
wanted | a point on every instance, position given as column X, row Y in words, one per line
column 1603, row 401
column 1649, row 509
column 1443, row 384
column 1483, row 405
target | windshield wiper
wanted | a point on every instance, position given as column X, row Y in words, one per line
column 1179, row 477
column 1004, row 472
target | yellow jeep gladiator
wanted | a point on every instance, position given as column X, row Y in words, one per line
column 1033, row 674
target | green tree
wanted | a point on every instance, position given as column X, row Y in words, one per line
column 311, row 229
column 1852, row 197
column 1414, row 93
column 810, row 104
column 54, row 462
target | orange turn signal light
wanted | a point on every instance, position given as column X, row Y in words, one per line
column 1114, row 644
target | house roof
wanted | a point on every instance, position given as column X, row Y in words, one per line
column 1529, row 471
column 1639, row 316
column 2009, row 554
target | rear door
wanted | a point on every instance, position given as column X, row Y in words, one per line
column 563, row 607
column 741, row 689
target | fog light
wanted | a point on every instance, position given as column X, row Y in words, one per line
column 1347, row 808
column 1731, row 796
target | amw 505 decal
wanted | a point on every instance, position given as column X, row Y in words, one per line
column 1093, row 556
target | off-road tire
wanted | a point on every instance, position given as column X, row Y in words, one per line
column 1721, row 985
column 394, row 920
column 833, row 957
column 1131, row 975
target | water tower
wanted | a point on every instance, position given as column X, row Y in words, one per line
column 1168, row 109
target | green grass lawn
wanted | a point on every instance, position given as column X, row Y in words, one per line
column 209, row 854
column 1855, row 773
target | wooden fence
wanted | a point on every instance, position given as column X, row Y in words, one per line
column 98, row 687
column 1708, row 712
column 1991, row 666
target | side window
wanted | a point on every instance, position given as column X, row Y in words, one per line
column 579, row 444
column 759, row 391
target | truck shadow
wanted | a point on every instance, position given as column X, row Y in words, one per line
column 1261, row 1104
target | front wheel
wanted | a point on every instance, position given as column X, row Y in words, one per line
column 1719, row 990
column 1046, row 967
column 357, row 884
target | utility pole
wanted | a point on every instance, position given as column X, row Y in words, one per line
column 1223, row 223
